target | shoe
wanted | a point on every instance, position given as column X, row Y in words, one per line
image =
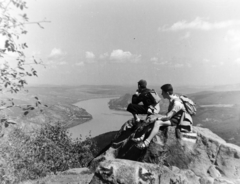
column 150, row 111
column 137, row 120
column 143, row 145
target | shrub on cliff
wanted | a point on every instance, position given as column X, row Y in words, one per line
column 41, row 152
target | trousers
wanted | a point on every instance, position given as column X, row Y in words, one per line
column 137, row 109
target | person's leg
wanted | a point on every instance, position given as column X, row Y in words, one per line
column 156, row 128
column 153, row 133
column 132, row 109
column 136, row 109
column 135, row 116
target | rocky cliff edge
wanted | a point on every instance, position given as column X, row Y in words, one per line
column 210, row 160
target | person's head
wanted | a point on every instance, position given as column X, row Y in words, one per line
column 142, row 84
column 167, row 90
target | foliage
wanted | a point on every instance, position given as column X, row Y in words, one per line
column 11, row 27
column 15, row 66
column 30, row 155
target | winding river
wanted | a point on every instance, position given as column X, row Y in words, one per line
column 104, row 119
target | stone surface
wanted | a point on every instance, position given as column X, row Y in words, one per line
column 208, row 161
column 130, row 172
column 72, row 176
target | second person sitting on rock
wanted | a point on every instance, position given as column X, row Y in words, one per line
column 148, row 97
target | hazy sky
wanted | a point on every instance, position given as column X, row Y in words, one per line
column 121, row 41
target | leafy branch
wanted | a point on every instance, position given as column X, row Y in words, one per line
column 15, row 70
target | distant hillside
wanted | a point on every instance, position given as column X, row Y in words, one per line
column 224, row 121
column 195, row 88
column 67, row 115
column 221, row 97
column 227, row 87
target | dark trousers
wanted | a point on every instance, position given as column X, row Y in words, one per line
column 137, row 109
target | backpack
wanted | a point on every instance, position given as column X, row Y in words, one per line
column 152, row 97
column 189, row 105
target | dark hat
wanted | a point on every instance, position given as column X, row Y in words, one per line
column 142, row 83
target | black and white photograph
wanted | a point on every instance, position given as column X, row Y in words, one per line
column 120, row 92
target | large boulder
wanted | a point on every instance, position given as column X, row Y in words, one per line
column 208, row 160
column 125, row 171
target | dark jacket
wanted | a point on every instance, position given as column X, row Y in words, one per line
column 136, row 99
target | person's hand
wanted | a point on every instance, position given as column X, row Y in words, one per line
column 128, row 124
column 159, row 118
column 137, row 93
column 151, row 119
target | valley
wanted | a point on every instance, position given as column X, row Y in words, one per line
column 217, row 110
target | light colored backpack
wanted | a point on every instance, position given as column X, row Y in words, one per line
column 189, row 105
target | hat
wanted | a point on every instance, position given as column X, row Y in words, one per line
column 142, row 83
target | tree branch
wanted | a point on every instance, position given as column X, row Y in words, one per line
column 43, row 21
column 38, row 23
column 5, row 9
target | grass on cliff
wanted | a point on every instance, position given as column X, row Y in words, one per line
column 31, row 155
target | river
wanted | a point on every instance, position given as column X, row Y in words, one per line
column 104, row 119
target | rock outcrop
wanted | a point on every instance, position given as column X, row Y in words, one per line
column 122, row 172
column 210, row 160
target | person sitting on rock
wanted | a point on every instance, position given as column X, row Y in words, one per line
column 141, row 96
column 173, row 117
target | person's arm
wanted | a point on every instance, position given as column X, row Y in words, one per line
column 168, row 116
column 135, row 98
column 175, row 109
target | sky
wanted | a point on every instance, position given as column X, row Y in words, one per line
column 119, row 42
